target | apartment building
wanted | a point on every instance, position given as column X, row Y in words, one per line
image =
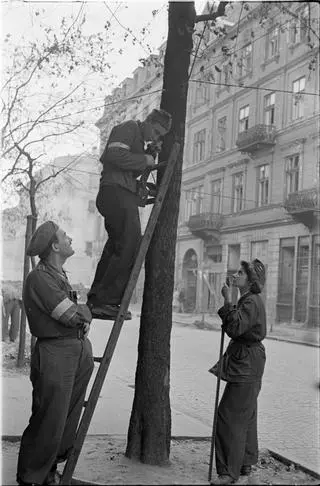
column 251, row 166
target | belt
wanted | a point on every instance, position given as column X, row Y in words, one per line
column 249, row 344
column 78, row 334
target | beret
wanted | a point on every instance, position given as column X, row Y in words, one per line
column 42, row 238
column 162, row 117
column 258, row 272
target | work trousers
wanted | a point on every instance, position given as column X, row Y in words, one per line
column 236, row 436
column 60, row 373
column 11, row 310
column 119, row 207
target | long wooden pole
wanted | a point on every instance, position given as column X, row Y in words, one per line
column 23, row 319
column 215, row 415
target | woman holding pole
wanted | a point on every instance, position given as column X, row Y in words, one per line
column 242, row 367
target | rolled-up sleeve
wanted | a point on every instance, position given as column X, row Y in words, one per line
column 237, row 321
column 118, row 150
column 54, row 301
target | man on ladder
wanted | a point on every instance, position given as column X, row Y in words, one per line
column 124, row 159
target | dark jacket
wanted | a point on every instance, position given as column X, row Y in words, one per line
column 50, row 304
column 245, row 324
column 124, row 157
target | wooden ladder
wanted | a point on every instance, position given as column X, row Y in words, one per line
column 105, row 360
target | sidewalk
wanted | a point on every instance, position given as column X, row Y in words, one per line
column 283, row 332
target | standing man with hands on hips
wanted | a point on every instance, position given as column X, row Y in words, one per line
column 124, row 159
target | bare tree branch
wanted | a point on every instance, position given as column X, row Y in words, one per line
column 50, row 135
column 283, row 8
column 38, row 120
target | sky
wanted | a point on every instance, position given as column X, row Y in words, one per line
column 18, row 19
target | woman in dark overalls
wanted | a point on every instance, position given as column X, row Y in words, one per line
column 243, row 366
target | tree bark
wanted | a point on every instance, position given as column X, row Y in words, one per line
column 149, row 431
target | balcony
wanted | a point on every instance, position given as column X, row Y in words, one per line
column 206, row 226
column 304, row 206
column 256, row 138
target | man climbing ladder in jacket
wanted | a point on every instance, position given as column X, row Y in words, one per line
column 124, row 159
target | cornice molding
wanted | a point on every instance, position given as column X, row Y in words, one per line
column 238, row 163
column 252, row 226
column 297, row 125
column 297, row 143
column 199, row 117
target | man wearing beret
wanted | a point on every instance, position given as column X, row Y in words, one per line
column 124, row 159
column 61, row 362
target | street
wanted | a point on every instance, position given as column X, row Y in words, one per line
column 288, row 402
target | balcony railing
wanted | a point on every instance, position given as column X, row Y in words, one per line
column 256, row 138
column 304, row 205
column 206, row 225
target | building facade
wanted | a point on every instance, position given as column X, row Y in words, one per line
column 251, row 167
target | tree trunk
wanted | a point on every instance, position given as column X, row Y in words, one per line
column 23, row 320
column 33, row 264
column 149, row 431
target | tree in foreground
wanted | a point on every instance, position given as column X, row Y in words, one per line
column 149, row 433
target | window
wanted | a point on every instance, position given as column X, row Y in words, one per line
column 216, row 196
column 245, row 62
column 148, row 72
column 269, row 108
column 315, row 282
column 215, row 254
column 244, row 119
column 202, row 94
column 273, row 43
column 292, row 174
column 89, row 248
column 299, row 27
column 286, row 280
column 187, row 205
column 222, row 127
column 135, row 81
column 226, row 72
column 294, row 32
column 91, row 206
column 259, row 249
column 237, row 192
column 298, row 88
column 304, row 24
column 223, row 76
column 193, row 201
column 199, row 146
column 263, row 185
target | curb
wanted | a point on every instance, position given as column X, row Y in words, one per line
column 273, row 338
column 288, row 462
column 276, row 455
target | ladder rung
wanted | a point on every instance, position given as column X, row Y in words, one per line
column 97, row 359
column 151, row 200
